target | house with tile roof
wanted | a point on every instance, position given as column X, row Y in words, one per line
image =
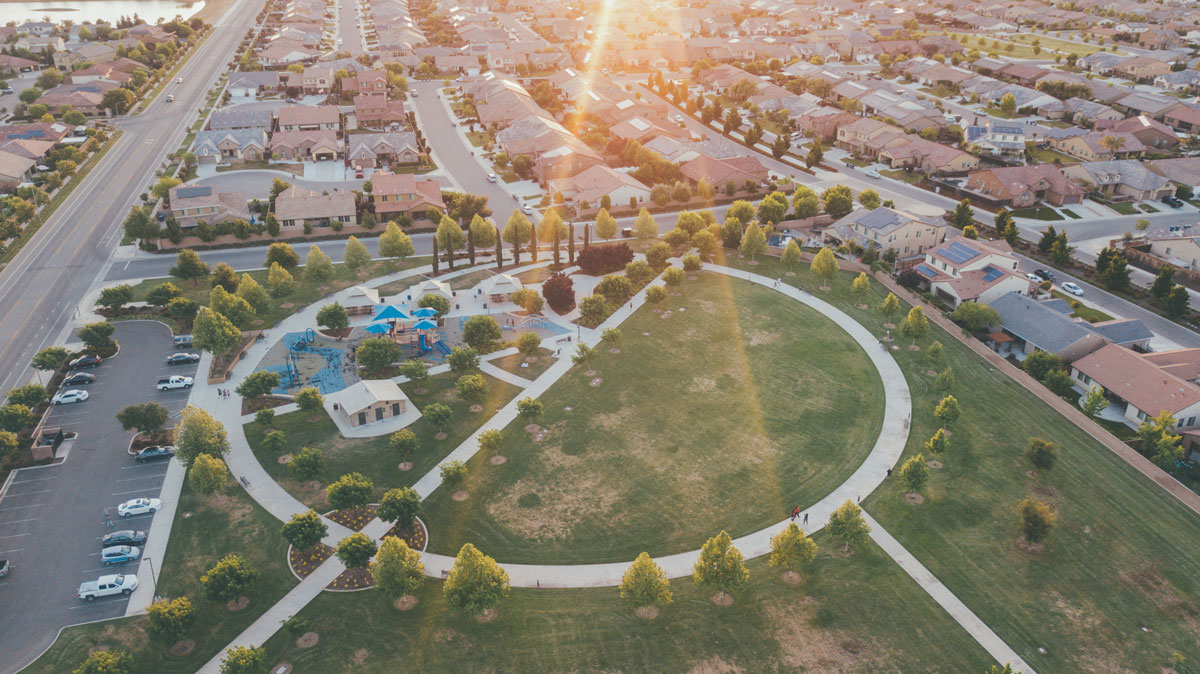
column 970, row 270
column 371, row 150
column 193, row 204
column 1145, row 384
column 1024, row 186
column 593, row 184
column 886, row 229
column 297, row 206
column 1097, row 146
column 395, row 193
column 1152, row 133
column 223, row 147
column 1124, row 178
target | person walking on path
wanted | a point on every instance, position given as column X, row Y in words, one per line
column 795, row 513
column 107, row 520
column 805, row 519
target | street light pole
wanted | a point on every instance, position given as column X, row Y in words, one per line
column 153, row 580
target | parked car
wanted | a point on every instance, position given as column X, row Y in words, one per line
column 1172, row 201
column 183, row 358
column 873, row 174
column 1044, row 275
column 69, row 396
column 170, row 98
column 172, row 383
column 492, row 178
column 183, row 341
column 5, row 567
column 358, row 172
column 526, row 209
column 85, row 361
column 413, row 92
column 107, row 586
column 679, row 119
column 124, row 537
column 119, row 554
column 1072, row 288
column 154, row 453
column 1033, row 277
column 79, row 379
column 139, row 506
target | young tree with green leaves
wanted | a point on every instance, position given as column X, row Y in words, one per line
column 207, row 475
column 720, row 567
column 188, row 266
column 307, row 463
column 481, row 331
column 847, row 525
column 791, row 255
column 318, row 267
column 199, row 433
column 397, row 569
column 606, row 225
column 356, row 550
column 890, row 306
column 399, row 506
column 915, row 473
column 170, row 619
column 948, row 410
column 938, row 444
column 50, row 358
column 825, row 267
column 309, row 399
column 439, row 415
column 279, row 281
column 395, row 243
column 753, row 243
column 1094, row 401
column 645, row 584
column 352, row 490
column 1043, row 454
column 212, row 331
column 1036, row 520
column 356, row 255
column 415, row 371
column 106, row 662
column 97, row 335
column 530, row 409
column 244, row 660
column 792, row 551
column 476, row 583
column 305, row 530
column 333, row 316
column 228, row 579
column 254, row 294
column 377, row 353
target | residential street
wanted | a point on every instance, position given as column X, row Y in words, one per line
column 40, row 289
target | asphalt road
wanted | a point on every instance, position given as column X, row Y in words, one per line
column 55, row 513
column 41, row 288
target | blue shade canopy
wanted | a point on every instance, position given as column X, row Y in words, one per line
column 378, row 328
column 425, row 312
column 425, row 325
column 389, row 313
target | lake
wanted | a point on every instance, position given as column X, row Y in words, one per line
column 90, row 10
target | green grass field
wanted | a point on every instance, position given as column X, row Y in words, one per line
column 532, row 370
column 371, row 457
column 855, row 614
column 735, row 408
column 1125, row 555
column 218, row 525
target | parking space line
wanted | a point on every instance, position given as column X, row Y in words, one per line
column 36, row 479
column 17, row 535
column 135, row 491
column 31, row 505
column 5, row 552
column 29, row 493
column 140, row 465
column 143, row 477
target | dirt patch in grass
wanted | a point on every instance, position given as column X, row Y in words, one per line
column 487, row 616
column 804, row 646
column 308, row 640
column 182, row 648
column 703, row 384
column 914, row 499
column 237, row 510
column 1150, row 582
column 715, row 665
column 360, row 657
column 238, row 604
column 545, row 509
column 646, row 612
column 131, row 637
column 760, row 337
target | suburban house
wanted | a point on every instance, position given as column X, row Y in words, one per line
column 368, row 401
column 1024, row 186
column 1183, row 118
column 375, row 111
column 14, row 170
column 990, row 139
column 1029, row 325
column 222, row 147
column 1123, row 178
column 373, row 150
column 367, row 81
column 1181, row 170
column 969, row 270
column 306, row 145
column 297, row 206
column 927, row 156
column 719, row 172
column 855, row 138
column 240, row 117
column 1150, row 132
column 889, row 228
column 317, row 79
column 309, row 118
column 403, row 193
column 1100, row 145
column 1179, row 247
column 1146, row 384
column 193, row 204
column 593, row 184
column 1141, row 68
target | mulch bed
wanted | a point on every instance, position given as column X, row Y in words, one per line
column 262, row 403
column 416, row 537
column 336, row 333
column 352, row 579
column 143, row 440
column 354, row 518
column 304, row 562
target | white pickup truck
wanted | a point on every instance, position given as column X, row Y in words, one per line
column 107, row 586
column 174, row 383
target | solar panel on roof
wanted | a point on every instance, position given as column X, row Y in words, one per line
column 926, row 271
column 990, row 273
column 958, row 253
column 190, row 192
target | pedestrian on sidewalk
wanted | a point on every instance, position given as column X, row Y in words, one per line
column 107, row 520
column 889, row 472
column 805, row 519
column 795, row 513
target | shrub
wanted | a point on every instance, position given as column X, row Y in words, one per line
column 559, row 291
column 596, row 260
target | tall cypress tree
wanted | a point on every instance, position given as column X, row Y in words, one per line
column 499, row 250
column 571, row 243
column 435, row 255
column 533, row 241
column 586, row 235
column 557, row 259
column 471, row 245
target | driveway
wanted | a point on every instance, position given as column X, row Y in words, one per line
column 51, row 518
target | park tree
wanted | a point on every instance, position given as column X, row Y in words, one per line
column 645, row 584
column 404, row 442
column 933, row 353
column 915, row 473
column 356, row 255
column 274, row 441
column 482, row 232
column 213, row 332
column 96, row 335
column 228, row 579
column 938, row 444
column 1036, row 520
column 517, row 231
column 106, row 662
column 352, row 490
column 915, row 325
column 399, row 506
column 244, row 660
column 948, row 410
column 791, row 255
column 207, row 475
column 189, row 266
column 1094, row 401
column 223, row 275
column 645, row 227
column 593, row 309
column 237, row 310
column 731, row 232
column 773, row 208
column 529, row 344
column 481, row 331
column 142, row 417
column 307, row 463
column 30, row 395
column 115, row 297
column 309, row 399
column 742, row 211
column 258, row 383
column 454, row 474
column 415, row 371
column 472, row 388
column 356, row 550
column 606, row 225
column 869, row 199
column 706, row 243
column 279, row 281
column 839, row 200
column 162, row 294
column 439, row 303
column 318, row 267
column 199, row 433
column 476, row 583
column 530, row 408
column 792, row 551
column 860, row 288
column 825, row 266
column 847, row 525
column 1040, row 363
column 527, row 299
column 753, row 243
column 50, row 358
column 377, row 353
column 654, row 295
column 439, row 415
column 254, row 294
column 1043, row 454
column 304, row 530
column 450, row 237
column 395, row 243
column 282, row 254
column 170, row 619
column 463, row 359
column 890, row 306
column 333, row 316
column 806, row 202
column 975, row 316
column 720, row 567
column 397, row 569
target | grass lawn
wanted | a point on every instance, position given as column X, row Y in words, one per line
column 219, row 525
column 1045, row 155
column 478, row 138
column 905, row 176
column 535, row 275
column 853, row 161
column 1038, row 214
column 1071, row 214
column 639, row 464
column 472, row 279
column 1123, row 207
column 844, row 618
column 1082, row 311
column 532, row 370
column 997, row 112
column 371, row 457
column 1148, row 208
column 306, row 292
column 294, row 169
column 1124, row 555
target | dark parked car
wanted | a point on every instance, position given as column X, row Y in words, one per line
column 1044, row 275
column 79, row 379
column 183, row 358
column 1172, row 201
column 154, row 453
column 124, row 537
column 86, row 361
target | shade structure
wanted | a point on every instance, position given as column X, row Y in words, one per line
column 425, row 325
column 389, row 313
column 425, row 312
column 378, row 328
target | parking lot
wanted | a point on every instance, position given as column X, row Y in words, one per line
column 55, row 513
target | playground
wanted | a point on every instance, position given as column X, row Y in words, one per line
column 309, row 358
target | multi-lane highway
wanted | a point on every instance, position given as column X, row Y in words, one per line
column 40, row 289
